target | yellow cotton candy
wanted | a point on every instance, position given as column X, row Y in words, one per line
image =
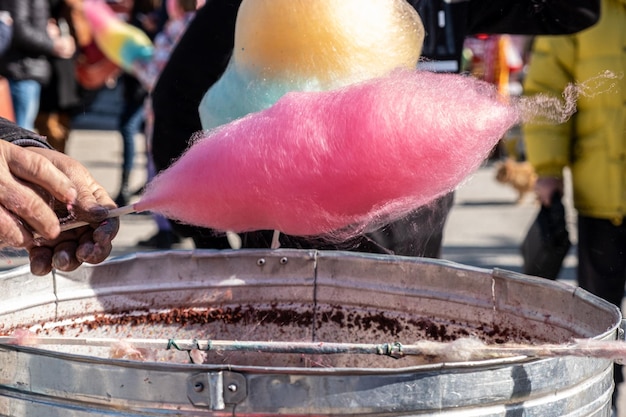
column 326, row 39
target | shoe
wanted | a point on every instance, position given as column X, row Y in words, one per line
column 163, row 239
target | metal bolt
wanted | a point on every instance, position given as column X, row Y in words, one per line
column 232, row 388
column 260, row 262
column 283, row 260
column 198, row 387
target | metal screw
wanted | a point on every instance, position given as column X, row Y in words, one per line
column 232, row 388
column 283, row 260
column 260, row 262
column 198, row 387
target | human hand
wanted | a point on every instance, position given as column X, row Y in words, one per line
column 5, row 17
column 53, row 29
column 31, row 179
column 546, row 187
column 23, row 210
column 64, row 46
column 91, row 243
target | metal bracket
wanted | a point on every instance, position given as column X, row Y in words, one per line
column 214, row 390
column 621, row 330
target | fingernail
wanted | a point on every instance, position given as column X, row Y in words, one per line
column 84, row 251
column 61, row 260
column 71, row 195
column 99, row 212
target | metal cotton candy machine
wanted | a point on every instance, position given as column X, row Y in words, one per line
column 288, row 297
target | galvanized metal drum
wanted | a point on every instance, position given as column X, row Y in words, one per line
column 290, row 297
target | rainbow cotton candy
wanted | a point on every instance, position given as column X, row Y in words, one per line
column 122, row 43
column 332, row 163
column 305, row 45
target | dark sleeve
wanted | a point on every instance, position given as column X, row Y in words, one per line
column 531, row 17
column 11, row 132
column 198, row 61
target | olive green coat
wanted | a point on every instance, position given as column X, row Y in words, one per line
column 592, row 143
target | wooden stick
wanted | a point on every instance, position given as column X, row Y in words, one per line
column 460, row 350
column 116, row 212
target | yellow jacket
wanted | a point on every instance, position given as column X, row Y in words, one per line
column 593, row 142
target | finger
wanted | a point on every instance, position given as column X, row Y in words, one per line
column 12, row 231
column 33, row 167
column 64, row 257
column 93, row 253
column 96, row 247
column 87, row 208
column 30, row 207
column 106, row 230
column 40, row 260
column 92, row 199
column 93, row 204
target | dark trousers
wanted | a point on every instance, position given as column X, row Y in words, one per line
column 602, row 258
column 131, row 119
column 602, row 263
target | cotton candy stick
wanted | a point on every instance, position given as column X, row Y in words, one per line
column 332, row 163
column 116, row 212
column 122, row 43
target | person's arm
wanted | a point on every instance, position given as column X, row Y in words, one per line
column 10, row 132
column 33, row 40
column 530, row 17
column 25, row 36
column 548, row 145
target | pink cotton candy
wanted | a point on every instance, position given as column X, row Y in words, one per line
column 336, row 162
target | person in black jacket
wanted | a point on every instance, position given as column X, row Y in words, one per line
column 32, row 175
column 203, row 53
column 25, row 64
